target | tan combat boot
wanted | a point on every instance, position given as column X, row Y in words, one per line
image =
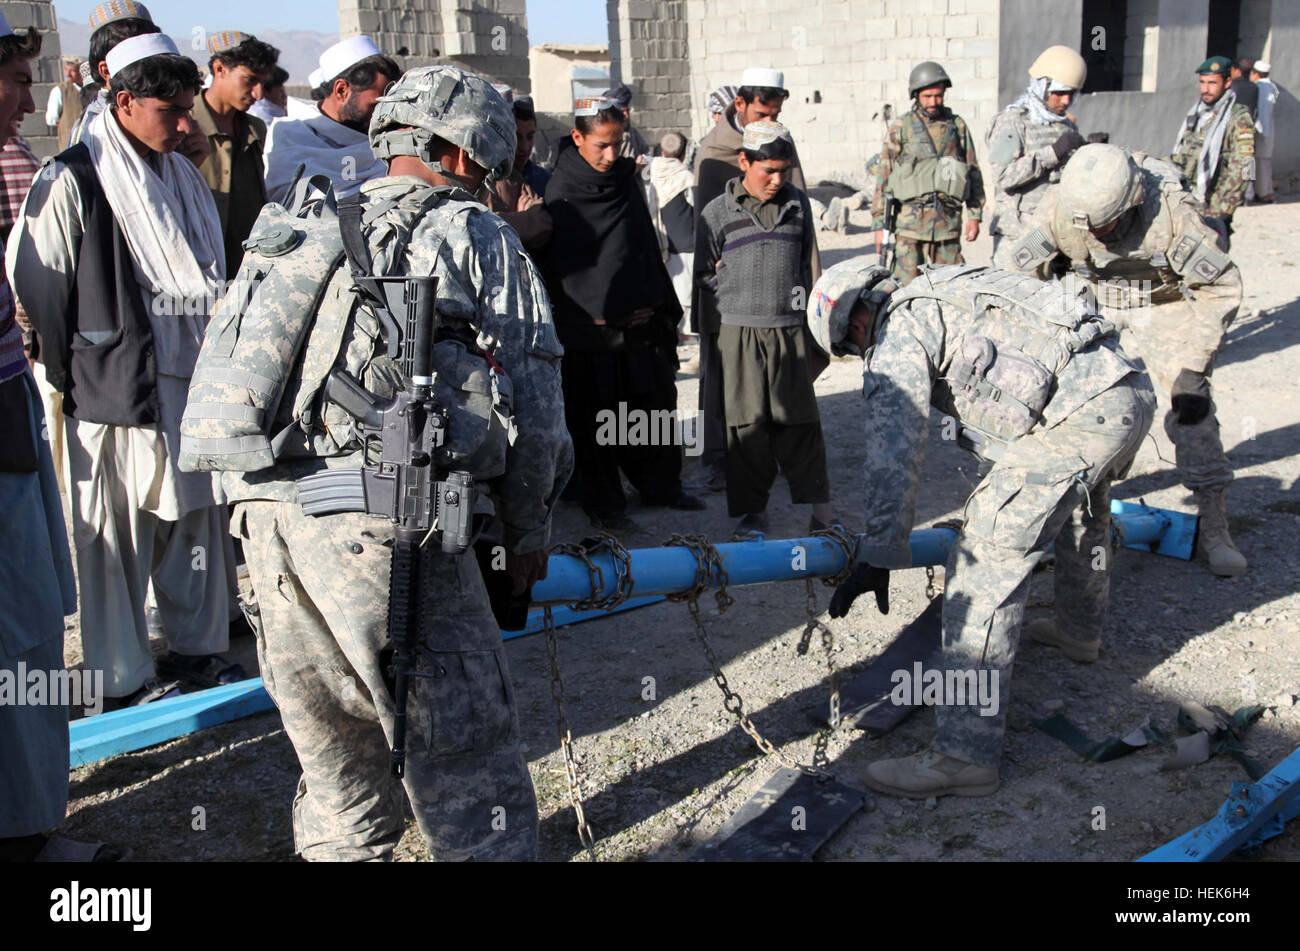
column 930, row 773
column 1212, row 539
column 1045, row 631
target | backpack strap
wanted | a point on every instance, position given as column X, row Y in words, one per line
column 358, row 254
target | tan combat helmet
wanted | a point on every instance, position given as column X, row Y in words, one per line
column 1062, row 65
column 1098, row 184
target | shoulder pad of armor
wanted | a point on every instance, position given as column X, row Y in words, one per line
column 1032, row 249
column 1004, row 145
column 1196, row 256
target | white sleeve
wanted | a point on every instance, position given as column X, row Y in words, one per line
column 54, row 106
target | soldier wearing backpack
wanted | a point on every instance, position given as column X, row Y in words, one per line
column 323, row 581
column 1034, row 382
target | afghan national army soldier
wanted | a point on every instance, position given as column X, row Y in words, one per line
column 1029, row 142
column 1215, row 149
column 322, row 581
column 1032, row 380
column 1124, row 224
column 928, row 165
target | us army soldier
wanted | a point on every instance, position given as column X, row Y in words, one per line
column 323, row 583
column 1038, row 386
column 1029, row 142
column 1123, row 223
column 928, row 165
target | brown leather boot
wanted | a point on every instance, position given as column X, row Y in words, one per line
column 1213, row 542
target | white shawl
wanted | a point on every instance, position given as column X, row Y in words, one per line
column 326, row 147
column 172, row 229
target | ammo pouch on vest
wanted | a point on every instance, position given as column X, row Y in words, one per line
column 997, row 390
column 915, row 177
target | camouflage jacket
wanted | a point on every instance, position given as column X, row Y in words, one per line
column 1020, row 151
column 1162, row 255
column 487, row 282
column 915, row 134
column 1227, row 189
column 913, row 351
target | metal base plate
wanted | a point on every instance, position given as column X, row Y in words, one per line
column 865, row 701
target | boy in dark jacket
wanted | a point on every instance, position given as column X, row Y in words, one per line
column 753, row 262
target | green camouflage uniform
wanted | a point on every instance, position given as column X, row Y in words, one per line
column 1051, row 484
column 928, row 230
column 1236, row 168
column 1024, row 164
column 322, row 583
column 1162, row 278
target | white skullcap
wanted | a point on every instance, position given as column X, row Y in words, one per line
column 137, row 48
column 5, row 29
column 315, row 78
column 1263, row 66
column 345, row 54
column 758, row 76
column 593, row 105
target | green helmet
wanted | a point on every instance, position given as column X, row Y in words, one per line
column 1098, row 184
column 835, row 295
column 451, row 104
column 925, row 74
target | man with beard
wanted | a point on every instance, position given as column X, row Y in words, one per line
column 240, row 66
column 1215, row 149
column 617, row 314
column 928, row 165
column 336, row 142
column 1030, row 141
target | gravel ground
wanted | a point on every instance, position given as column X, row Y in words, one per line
column 662, row 776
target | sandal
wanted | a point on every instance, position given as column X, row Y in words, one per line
column 150, row 692
column 206, row 670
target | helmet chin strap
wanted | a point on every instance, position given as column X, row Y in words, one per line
column 446, row 173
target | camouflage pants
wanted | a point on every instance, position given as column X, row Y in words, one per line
column 322, row 586
column 913, row 253
column 1049, row 485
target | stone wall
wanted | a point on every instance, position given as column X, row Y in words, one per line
column 650, row 52
column 486, row 36
column 46, row 71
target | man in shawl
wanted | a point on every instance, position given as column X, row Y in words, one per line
column 1215, row 149
column 761, row 95
column 35, row 567
column 335, row 142
column 671, row 194
column 117, row 259
column 617, row 314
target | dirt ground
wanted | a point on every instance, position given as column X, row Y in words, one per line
column 660, row 777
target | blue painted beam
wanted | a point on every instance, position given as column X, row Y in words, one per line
column 1251, row 809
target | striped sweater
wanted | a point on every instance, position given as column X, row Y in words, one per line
column 755, row 276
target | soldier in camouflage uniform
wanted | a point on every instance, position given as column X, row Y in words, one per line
column 1215, row 149
column 928, row 164
column 1124, row 224
column 1029, row 142
column 1037, row 385
column 323, row 583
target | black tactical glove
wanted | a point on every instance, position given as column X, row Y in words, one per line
column 1190, row 398
column 864, row 578
column 1066, row 144
column 1191, row 409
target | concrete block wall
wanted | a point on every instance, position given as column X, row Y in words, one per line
column 46, row 71
column 650, row 52
column 486, row 36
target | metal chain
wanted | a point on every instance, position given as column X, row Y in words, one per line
column 708, row 563
column 566, row 737
column 622, row 571
column 932, row 590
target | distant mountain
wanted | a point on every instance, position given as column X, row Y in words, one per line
column 299, row 49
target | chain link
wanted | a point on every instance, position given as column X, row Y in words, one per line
column 709, row 567
column 566, row 737
column 622, row 571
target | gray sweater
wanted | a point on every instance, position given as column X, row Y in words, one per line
column 755, row 276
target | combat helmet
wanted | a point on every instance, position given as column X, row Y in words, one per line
column 451, row 104
column 834, row 296
column 1098, row 184
column 926, row 74
column 1062, row 65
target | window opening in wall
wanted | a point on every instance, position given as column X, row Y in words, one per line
column 1105, row 23
column 1223, row 32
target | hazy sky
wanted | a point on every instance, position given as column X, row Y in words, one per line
column 549, row 21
